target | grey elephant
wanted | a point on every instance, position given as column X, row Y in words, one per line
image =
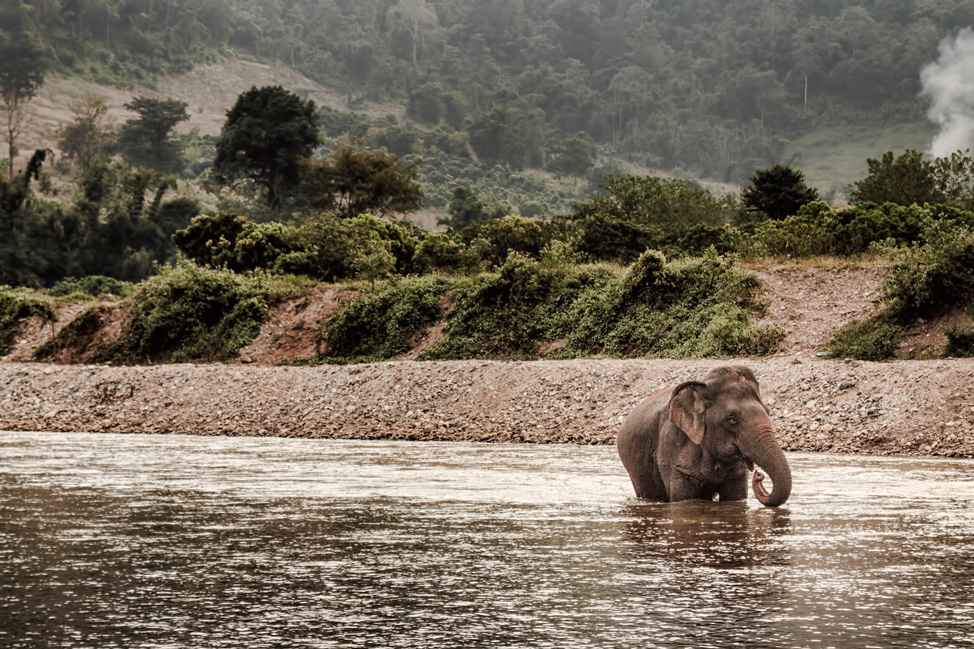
column 700, row 439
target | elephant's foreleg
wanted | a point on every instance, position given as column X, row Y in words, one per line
column 683, row 487
column 735, row 489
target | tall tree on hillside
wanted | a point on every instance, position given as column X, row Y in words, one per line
column 267, row 134
column 147, row 140
column 23, row 64
column 777, row 192
column 415, row 17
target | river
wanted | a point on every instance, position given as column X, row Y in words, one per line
column 183, row 541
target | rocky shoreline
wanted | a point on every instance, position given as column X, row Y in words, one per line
column 896, row 408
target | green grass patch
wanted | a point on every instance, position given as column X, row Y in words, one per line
column 832, row 157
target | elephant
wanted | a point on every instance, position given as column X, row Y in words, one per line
column 699, row 439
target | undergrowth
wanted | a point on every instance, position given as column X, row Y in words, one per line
column 188, row 313
column 76, row 335
column 685, row 309
column 926, row 280
column 380, row 324
column 16, row 305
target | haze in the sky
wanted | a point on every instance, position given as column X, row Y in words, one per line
column 949, row 82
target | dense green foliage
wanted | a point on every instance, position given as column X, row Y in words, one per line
column 930, row 278
column 634, row 213
column 690, row 309
column 189, row 313
column 381, row 324
column 911, row 178
column 119, row 225
column 819, row 229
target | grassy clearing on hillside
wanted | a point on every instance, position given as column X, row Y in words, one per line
column 833, row 157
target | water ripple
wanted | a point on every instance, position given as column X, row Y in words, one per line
column 120, row 541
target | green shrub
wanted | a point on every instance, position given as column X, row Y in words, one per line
column 93, row 285
column 933, row 276
column 380, row 324
column 687, row 309
column 496, row 238
column 77, row 334
column 16, row 305
column 960, row 342
column 443, row 252
column 189, row 313
column 330, row 248
column 692, row 308
column 872, row 339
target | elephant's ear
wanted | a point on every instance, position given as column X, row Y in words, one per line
column 687, row 408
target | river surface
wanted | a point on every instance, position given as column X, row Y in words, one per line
column 181, row 541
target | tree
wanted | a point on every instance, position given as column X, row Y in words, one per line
column 955, row 179
column 354, row 181
column 903, row 180
column 85, row 139
column 415, row 16
column 510, row 134
column 575, row 157
column 23, row 65
column 267, row 134
column 147, row 141
column 465, row 208
column 777, row 192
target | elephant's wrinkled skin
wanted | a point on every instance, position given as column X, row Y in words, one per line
column 699, row 440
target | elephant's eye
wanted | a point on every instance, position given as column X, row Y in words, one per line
column 732, row 420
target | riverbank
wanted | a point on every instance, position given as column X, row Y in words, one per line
column 895, row 408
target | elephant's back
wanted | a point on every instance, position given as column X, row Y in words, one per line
column 641, row 426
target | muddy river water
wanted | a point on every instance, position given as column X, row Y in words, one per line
column 181, row 541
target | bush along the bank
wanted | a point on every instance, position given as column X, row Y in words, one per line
column 382, row 323
column 191, row 313
column 929, row 279
column 16, row 306
column 77, row 336
column 552, row 307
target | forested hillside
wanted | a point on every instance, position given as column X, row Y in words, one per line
column 714, row 88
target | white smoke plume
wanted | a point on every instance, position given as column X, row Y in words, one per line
column 949, row 82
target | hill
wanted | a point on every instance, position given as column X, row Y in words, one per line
column 707, row 88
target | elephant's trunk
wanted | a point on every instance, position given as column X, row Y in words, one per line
column 761, row 448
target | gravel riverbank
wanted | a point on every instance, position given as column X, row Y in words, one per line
column 896, row 408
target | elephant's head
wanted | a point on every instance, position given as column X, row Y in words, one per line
column 725, row 415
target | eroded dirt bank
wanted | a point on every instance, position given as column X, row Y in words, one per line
column 911, row 407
